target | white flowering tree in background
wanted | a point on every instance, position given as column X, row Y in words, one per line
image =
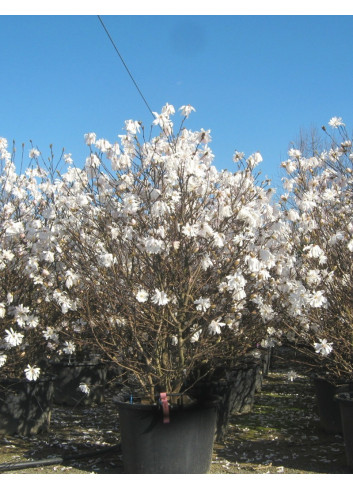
column 172, row 265
column 33, row 325
column 319, row 204
column 20, row 297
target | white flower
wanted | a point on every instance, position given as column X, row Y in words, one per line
column 132, row 126
column 153, row 245
column 2, row 310
column 253, row 263
column 3, row 359
column 71, row 278
column 32, row 373
column 13, row 338
column 160, row 298
column 335, row 122
column 107, row 259
column 50, row 334
column 294, row 153
column 317, row 299
column 103, row 145
column 195, row 337
column 323, row 347
column 313, row 277
column 34, row 153
column 174, row 340
column 84, row 388
column 190, row 230
column 292, row 375
column 90, row 138
column 142, row 295
column 238, row 156
column 206, row 262
column 203, row 304
column 254, row 160
column 215, row 326
column 69, row 347
column 218, row 240
column 67, row 158
column 186, row 110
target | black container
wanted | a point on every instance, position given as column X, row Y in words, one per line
column 69, row 376
column 329, row 411
column 266, row 360
column 345, row 402
column 25, row 407
column 244, row 380
column 182, row 446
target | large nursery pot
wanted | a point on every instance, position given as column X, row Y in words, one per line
column 25, row 406
column 180, row 442
column 345, row 402
column 69, row 376
column 329, row 411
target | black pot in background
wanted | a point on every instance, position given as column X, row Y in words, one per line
column 182, row 446
column 69, row 376
column 266, row 360
column 236, row 390
column 25, row 407
column 345, row 403
column 329, row 411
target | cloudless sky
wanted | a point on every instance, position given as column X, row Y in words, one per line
column 254, row 80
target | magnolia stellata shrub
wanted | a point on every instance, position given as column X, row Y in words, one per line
column 319, row 205
column 33, row 325
column 173, row 266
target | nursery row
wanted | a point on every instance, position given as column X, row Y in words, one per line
column 150, row 259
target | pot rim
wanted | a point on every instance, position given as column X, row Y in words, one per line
column 213, row 401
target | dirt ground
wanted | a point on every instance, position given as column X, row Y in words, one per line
column 281, row 435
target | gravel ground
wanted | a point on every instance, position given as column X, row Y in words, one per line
column 281, row 435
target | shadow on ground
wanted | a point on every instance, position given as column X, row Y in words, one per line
column 281, row 434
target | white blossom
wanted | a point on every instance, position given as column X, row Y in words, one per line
column 69, row 347
column 160, row 298
column 32, row 373
column 335, row 122
column 13, row 338
column 202, row 304
column 142, row 295
column 323, row 348
column 215, row 326
column 84, row 388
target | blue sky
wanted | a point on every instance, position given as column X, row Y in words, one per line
column 254, row 80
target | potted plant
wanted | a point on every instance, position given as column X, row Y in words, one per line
column 319, row 309
column 25, row 395
column 174, row 263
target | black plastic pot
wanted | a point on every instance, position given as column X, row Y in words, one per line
column 182, row 446
column 266, row 360
column 243, row 379
column 25, row 407
column 68, row 377
column 329, row 411
column 345, row 402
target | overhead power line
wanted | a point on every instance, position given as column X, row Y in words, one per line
column 122, row 60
